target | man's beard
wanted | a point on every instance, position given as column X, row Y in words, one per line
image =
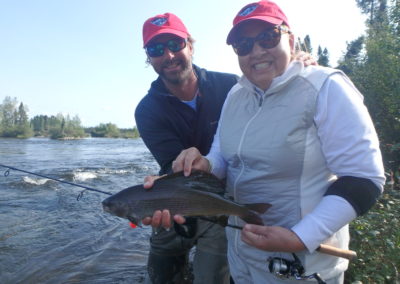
column 177, row 77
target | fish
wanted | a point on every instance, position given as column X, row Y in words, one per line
column 200, row 194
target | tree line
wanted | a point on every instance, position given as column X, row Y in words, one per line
column 15, row 123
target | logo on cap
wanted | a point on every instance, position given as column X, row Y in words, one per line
column 248, row 10
column 159, row 21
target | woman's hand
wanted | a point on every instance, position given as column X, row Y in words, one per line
column 160, row 218
column 190, row 159
column 271, row 238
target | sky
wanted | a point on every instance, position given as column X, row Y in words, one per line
column 86, row 57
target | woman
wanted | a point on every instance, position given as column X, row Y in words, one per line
column 298, row 138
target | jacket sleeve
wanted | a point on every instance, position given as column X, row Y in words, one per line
column 160, row 139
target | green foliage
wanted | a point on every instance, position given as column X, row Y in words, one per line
column 14, row 120
column 373, row 63
column 376, row 238
column 105, row 130
column 130, row 133
column 58, row 127
column 110, row 130
column 353, row 57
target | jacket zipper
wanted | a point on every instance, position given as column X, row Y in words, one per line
column 237, row 237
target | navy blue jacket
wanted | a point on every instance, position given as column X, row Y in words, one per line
column 168, row 126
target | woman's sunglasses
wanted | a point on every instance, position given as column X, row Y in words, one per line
column 269, row 38
column 157, row 49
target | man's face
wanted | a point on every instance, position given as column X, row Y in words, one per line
column 173, row 67
column 262, row 65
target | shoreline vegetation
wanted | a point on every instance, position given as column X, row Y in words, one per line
column 14, row 123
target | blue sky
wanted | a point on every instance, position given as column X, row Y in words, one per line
column 85, row 57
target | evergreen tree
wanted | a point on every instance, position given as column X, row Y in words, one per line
column 323, row 57
column 353, row 56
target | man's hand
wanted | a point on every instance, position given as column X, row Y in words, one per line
column 160, row 218
column 306, row 58
column 272, row 238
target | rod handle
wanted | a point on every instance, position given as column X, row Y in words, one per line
column 327, row 249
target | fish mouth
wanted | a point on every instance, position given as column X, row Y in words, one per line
column 114, row 209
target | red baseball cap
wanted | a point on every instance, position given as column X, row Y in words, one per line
column 167, row 23
column 264, row 10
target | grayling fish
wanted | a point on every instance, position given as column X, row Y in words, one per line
column 200, row 194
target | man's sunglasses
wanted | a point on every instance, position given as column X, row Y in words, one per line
column 157, row 49
column 269, row 38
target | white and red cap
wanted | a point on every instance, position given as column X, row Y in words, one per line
column 264, row 10
column 166, row 23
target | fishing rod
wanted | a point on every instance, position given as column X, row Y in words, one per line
column 7, row 172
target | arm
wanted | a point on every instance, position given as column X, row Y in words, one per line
column 351, row 147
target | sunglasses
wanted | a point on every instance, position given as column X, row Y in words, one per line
column 157, row 49
column 269, row 38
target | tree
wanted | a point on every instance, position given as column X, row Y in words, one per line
column 7, row 112
column 353, row 57
column 14, row 121
column 305, row 44
column 323, row 57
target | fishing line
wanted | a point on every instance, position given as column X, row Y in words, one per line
column 7, row 172
column 222, row 222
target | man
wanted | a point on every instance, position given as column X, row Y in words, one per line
column 181, row 110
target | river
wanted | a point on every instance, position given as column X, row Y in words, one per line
column 47, row 235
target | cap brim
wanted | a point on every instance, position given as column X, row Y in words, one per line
column 166, row 31
column 231, row 36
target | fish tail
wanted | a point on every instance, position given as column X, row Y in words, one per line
column 260, row 208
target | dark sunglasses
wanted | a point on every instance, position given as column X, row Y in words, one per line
column 269, row 38
column 157, row 49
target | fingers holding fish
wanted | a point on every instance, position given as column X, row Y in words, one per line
column 190, row 159
column 271, row 238
column 179, row 219
column 149, row 181
column 159, row 219
column 163, row 219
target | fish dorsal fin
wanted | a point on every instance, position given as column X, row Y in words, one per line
column 198, row 180
column 260, row 208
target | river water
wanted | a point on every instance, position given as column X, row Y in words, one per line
column 46, row 235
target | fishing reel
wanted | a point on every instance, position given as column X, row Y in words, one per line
column 284, row 268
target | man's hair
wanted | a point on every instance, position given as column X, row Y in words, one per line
column 190, row 39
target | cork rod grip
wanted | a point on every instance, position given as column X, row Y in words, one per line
column 348, row 254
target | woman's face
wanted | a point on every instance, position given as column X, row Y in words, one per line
column 262, row 65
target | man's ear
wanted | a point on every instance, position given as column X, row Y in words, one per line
column 191, row 47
